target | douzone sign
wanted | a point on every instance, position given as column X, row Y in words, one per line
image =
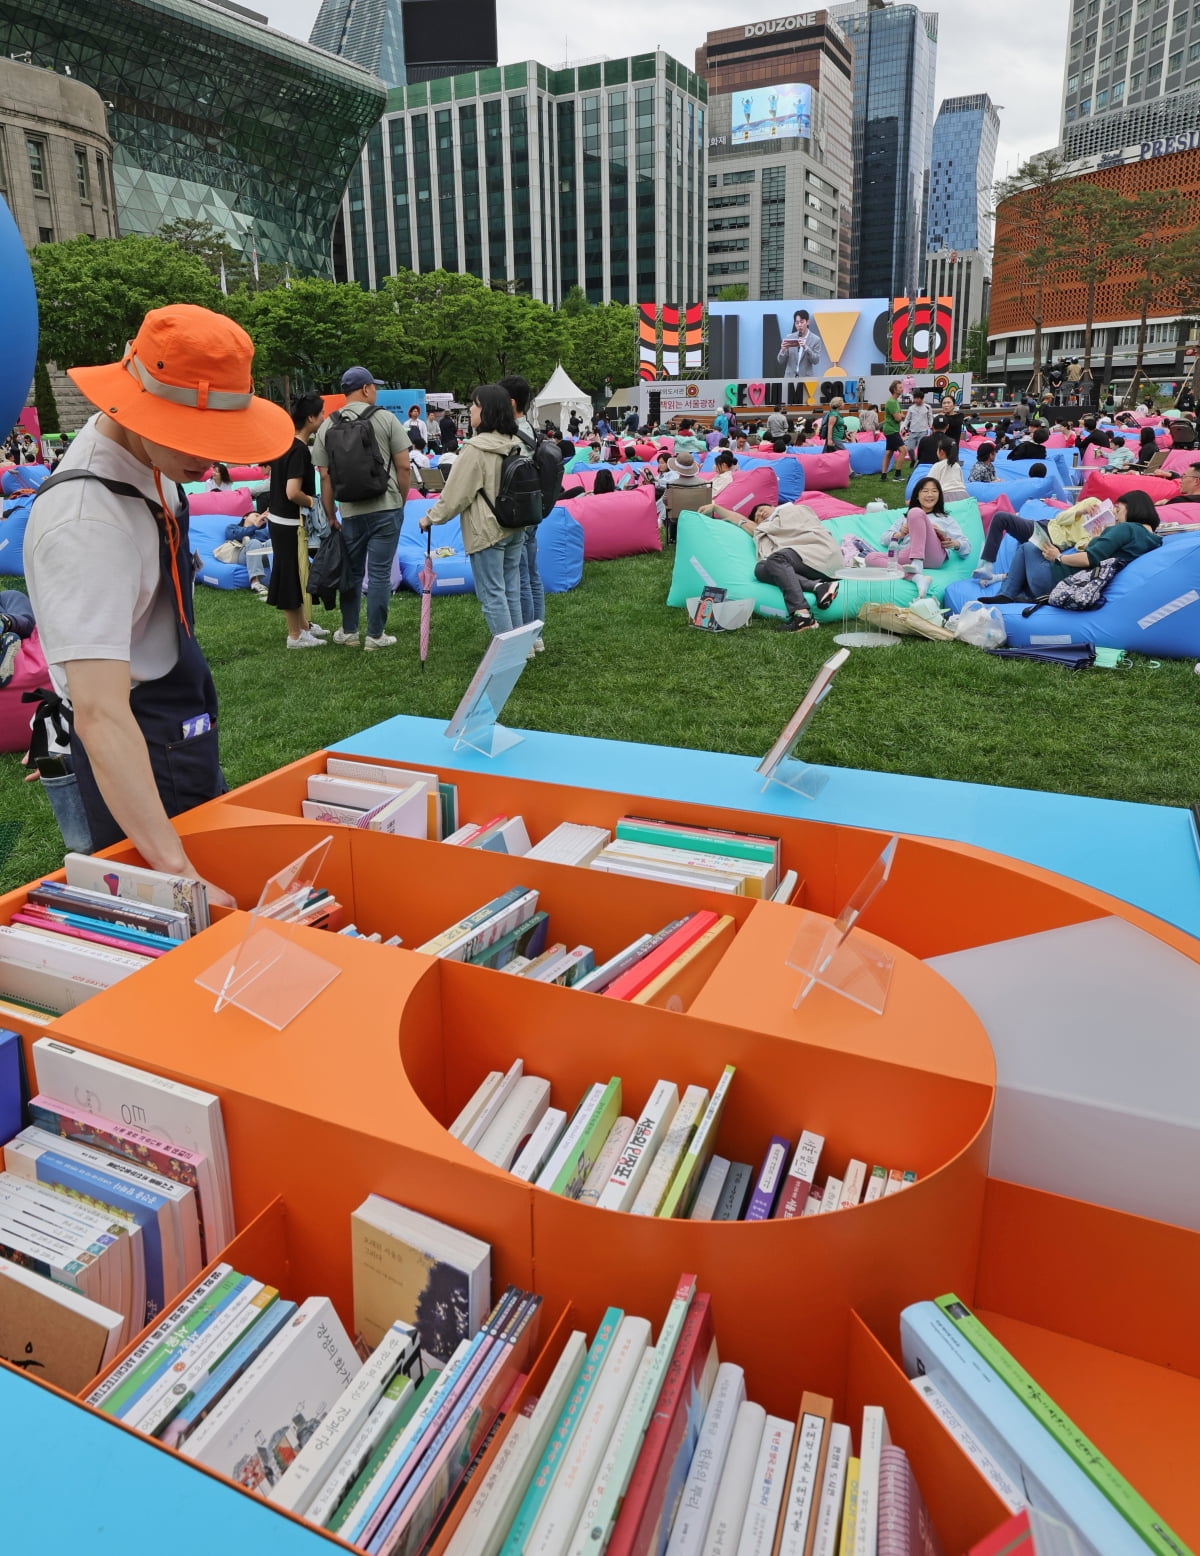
column 781, row 24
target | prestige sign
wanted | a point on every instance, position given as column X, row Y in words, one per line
column 780, row 24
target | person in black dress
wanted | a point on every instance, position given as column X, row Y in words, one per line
column 292, row 495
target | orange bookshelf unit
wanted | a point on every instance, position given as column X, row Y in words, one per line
column 356, row 1094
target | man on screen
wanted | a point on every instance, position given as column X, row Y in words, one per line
column 800, row 349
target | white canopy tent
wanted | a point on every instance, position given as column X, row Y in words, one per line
column 557, row 401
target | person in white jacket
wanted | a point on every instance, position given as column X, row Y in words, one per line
column 795, row 552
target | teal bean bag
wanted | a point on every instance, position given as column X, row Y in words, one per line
column 726, row 553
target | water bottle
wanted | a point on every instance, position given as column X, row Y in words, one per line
column 893, row 548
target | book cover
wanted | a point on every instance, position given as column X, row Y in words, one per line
column 647, row 1135
column 606, row 1161
column 735, row 1196
column 225, row 1374
column 766, row 1488
column 708, row 1462
column 798, row 1184
column 277, row 1404
column 584, row 1112
column 737, row 845
column 514, row 1123
column 671, row 1152
column 560, row 1438
column 905, row 1528
column 579, row 1159
column 850, row 1510
column 683, row 1185
column 167, row 1109
column 833, row 1491
column 733, row 1491
column 1005, row 1488
column 413, row 1268
column 479, row 1098
column 331, row 815
column 769, row 1180
column 456, row 933
column 351, row 791
column 171, row 924
column 652, row 1497
column 1099, row 1470
column 540, row 1144
column 797, row 1531
column 52, row 1333
column 181, row 892
column 1027, row 1453
column 406, row 814
column 712, row 1185
column 875, row 1436
column 653, row 962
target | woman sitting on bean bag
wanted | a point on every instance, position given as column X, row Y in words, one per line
column 926, row 535
column 1035, row 570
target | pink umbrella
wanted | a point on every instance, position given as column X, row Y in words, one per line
column 426, row 578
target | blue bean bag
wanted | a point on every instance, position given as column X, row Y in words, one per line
column 789, row 471
column 1151, row 607
column 560, row 552
column 207, row 531
column 727, row 554
column 1057, row 479
column 1017, row 491
column 866, row 458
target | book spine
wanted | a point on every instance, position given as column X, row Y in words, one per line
column 606, row 1160
column 708, row 1462
column 1006, row 1489
column 222, row 1377
column 540, row 1144
column 733, row 1491
column 870, row 1450
column 644, row 1141
column 853, row 1184
column 704, row 1207
column 1099, row 1470
column 798, row 1524
column 571, row 1136
column 732, row 1204
column 482, row 1122
column 770, row 1175
column 679, row 1194
column 492, row 929
column 712, row 842
column 832, row 1491
column 895, row 1503
column 671, row 1152
column 766, row 1488
column 850, row 1510
column 831, row 1195
column 357, row 1454
column 580, row 1159
column 448, row 937
column 876, row 1184
column 798, row 1184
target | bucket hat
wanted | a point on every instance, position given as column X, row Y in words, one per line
column 683, row 464
column 184, row 382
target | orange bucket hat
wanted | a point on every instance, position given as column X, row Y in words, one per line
column 184, row 383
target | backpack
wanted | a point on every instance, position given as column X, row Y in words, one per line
column 518, row 503
column 548, row 461
column 356, row 461
column 1083, row 591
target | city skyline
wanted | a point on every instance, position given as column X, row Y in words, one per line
column 1024, row 76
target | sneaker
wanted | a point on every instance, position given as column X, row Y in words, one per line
column 538, row 646
column 259, row 588
column 797, row 623
column 316, row 630
column 10, row 647
column 384, row 640
column 304, row 641
column 984, row 575
column 346, row 639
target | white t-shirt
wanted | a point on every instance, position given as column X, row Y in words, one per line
column 93, row 570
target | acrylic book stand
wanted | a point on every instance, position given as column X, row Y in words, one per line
column 475, row 723
column 832, row 955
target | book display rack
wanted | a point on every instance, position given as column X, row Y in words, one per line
column 354, row 1094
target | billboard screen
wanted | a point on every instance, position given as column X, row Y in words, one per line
column 845, row 338
column 770, row 112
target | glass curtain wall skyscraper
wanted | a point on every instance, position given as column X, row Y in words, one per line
column 590, row 176
column 895, row 54
column 409, row 40
column 962, row 169
column 370, row 32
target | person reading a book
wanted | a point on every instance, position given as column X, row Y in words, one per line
column 925, row 536
column 1040, row 564
column 108, row 564
column 1068, row 530
column 795, row 553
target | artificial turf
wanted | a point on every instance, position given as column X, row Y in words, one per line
column 619, row 664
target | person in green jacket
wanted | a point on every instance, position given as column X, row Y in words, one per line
column 1035, row 570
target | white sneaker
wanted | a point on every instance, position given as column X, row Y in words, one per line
column 538, row 646
column 346, row 639
column 316, row 630
column 384, row 640
column 304, row 641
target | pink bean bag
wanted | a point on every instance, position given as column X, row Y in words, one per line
column 995, row 505
column 825, row 472
column 645, row 449
column 15, row 715
column 827, row 507
column 868, row 437
column 237, row 504
column 748, row 489
column 1179, row 512
column 616, row 524
column 623, row 475
column 242, row 473
column 1181, row 459
column 1100, row 484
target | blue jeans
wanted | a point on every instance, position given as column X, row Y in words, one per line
column 533, row 596
column 1030, row 576
column 497, row 571
column 369, row 538
column 16, row 608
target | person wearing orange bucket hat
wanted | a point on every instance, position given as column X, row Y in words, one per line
column 108, row 565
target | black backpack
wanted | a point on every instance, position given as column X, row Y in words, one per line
column 548, row 462
column 356, row 461
column 519, row 501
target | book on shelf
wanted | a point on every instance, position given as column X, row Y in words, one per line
column 474, row 1132
column 12, row 1085
column 735, row 1196
column 765, row 1504
column 58, row 972
column 1014, row 1537
column 484, row 926
column 220, row 1377
column 849, row 1530
column 572, row 1161
column 516, row 1120
column 710, row 872
column 136, row 883
column 165, row 1109
column 712, row 1186
column 1009, row 1492
column 801, row 1177
column 413, row 1268
column 670, row 1154
column 695, row 1158
column 875, row 1437
column 933, row 1347
column 747, row 846
column 647, row 1135
column 769, row 1180
column 540, row 1144
column 805, row 1477
column 708, row 1462
column 570, row 843
column 631, row 982
column 606, row 1160
column 53, row 1333
column 833, row 1492
column 905, row 1528
column 476, row 1103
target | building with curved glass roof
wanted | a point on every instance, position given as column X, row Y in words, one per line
column 213, row 115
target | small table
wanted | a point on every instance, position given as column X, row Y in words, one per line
column 872, row 639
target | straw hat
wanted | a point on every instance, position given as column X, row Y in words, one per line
column 184, row 383
column 683, row 464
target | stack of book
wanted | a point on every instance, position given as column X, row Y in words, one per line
column 571, row 843
column 736, row 863
column 636, row 1447
column 1019, row 1439
column 510, row 934
column 379, row 798
column 661, row 1162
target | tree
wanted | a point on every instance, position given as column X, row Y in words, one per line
column 1035, row 191
column 312, row 330
column 735, row 292
column 975, row 351
column 601, row 346
column 93, row 294
column 575, row 303
column 43, row 399
column 1092, row 233
column 1168, row 268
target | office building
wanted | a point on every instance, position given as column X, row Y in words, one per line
column 212, row 114
column 895, row 52
column 409, row 40
column 774, row 212
column 592, row 175
column 55, row 156
column 959, row 242
column 804, row 50
column 1171, row 339
column 1132, row 74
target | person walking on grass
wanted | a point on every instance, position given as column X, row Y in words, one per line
column 533, row 596
column 893, row 440
column 292, row 499
column 369, row 478
column 470, row 492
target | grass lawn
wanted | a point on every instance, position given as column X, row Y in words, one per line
column 619, row 664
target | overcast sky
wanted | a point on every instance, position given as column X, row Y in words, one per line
column 1014, row 51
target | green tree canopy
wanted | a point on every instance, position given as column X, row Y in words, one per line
column 312, row 329
column 93, row 294
column 601, row 346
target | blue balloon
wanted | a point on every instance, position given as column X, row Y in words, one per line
column 19, row 356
